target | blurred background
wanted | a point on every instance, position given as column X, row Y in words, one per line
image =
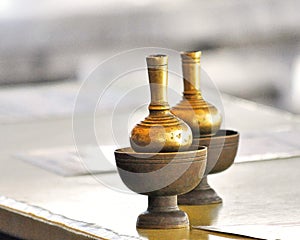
column 251, row 49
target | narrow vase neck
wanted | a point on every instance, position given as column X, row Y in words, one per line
column 191, row 72
column 191, row 77
column 158, row 79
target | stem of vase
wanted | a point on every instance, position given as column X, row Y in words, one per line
column 191, row 72
column 158, row 79
column 162, row 203
column 203, row 185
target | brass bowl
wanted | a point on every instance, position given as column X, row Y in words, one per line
column 161, row 176
column 221, row 152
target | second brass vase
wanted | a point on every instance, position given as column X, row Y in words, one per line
column 203, row 118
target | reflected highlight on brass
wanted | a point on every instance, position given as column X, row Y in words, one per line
column 202, row 215
column 163, row 234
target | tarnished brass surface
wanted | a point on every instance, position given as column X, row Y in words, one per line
column 203, row 118
column 161, row 131
column 161, row 176
column 203, row 194
column 162, row 213
column 221, row 151
column 223, row 147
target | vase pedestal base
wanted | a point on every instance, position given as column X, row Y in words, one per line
column 203, row 194
column 162, row 213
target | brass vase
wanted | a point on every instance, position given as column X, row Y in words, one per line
column 203, row 118
column 161, row 131
column 205, row 121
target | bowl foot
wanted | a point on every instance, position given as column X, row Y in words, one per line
column 203, row 194
column 162, row 213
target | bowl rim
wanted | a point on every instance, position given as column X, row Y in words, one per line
column 231, row 134
column 197, row 154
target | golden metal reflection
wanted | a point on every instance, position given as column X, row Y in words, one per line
column 161, row 131
column 163, row 234
column 202, row 215
column 203, row 118
column 184, row 233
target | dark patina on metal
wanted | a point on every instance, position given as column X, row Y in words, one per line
column 161, row 176
column 221, row 151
